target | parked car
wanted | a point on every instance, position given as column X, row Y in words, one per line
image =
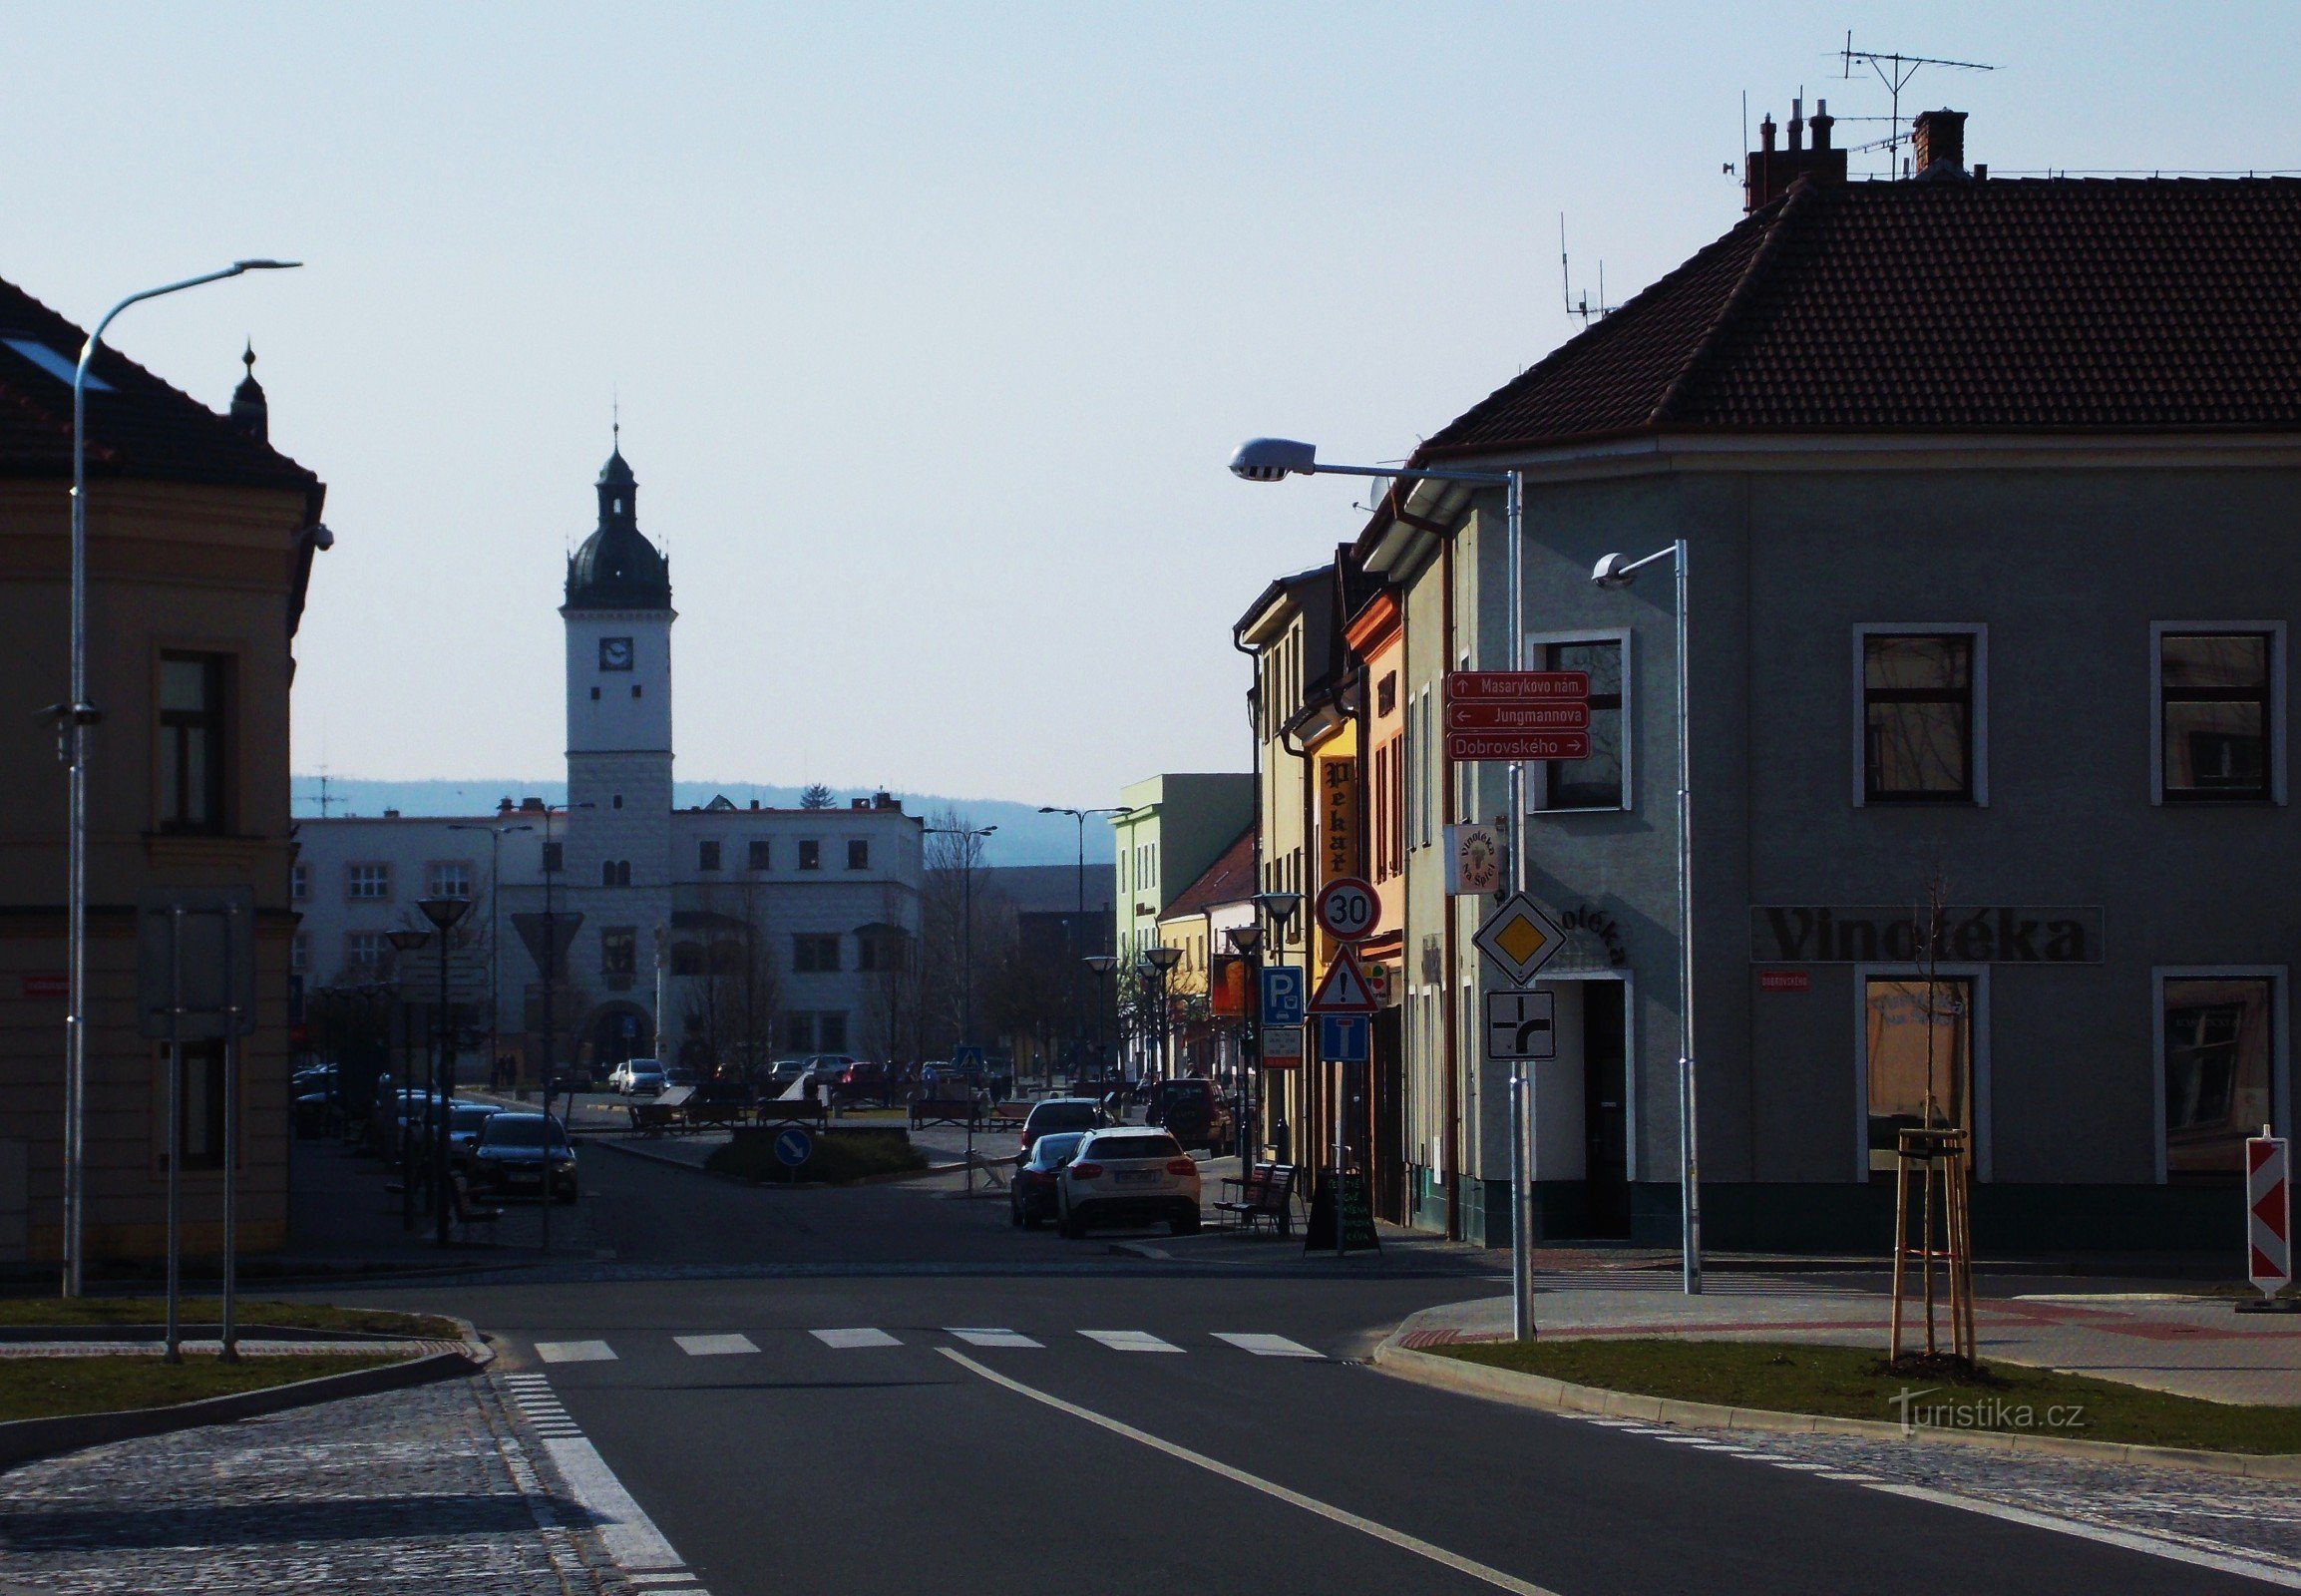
column 465, row 1123
column 311, row 1111
column 1061, row 1113
column 1031, row 1194
column 1127, row 1176
column 515, row 1150
column 637, row 1078
column 784, row 1074
column 680, row 1075
column 865, row 1082
column 1193, row 1112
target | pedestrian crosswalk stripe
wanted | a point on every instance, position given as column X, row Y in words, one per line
column 1130, row 1340
column 853, row 1337
column 1263, row 1346
column 714, row 1346
column 992, row 1338
column 574, row 1352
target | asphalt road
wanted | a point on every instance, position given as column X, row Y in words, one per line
column 926, row 1460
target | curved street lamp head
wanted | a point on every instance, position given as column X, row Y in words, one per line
column 1609, row 571
column 1271, row 459
column 443, row 911
column 1162, row 959
column 1245, row 939
column 1280, row 906
column 407, row 939
column 1100, row 964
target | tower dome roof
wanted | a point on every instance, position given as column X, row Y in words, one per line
column 617, row 568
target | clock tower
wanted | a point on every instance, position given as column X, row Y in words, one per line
column 618, row 627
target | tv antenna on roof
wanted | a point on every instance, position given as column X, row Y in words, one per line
column 1895, row 69
column 1581, row 307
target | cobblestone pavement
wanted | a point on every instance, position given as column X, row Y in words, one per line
column 421, row 1493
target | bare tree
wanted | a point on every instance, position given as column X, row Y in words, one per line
column 888, row 1028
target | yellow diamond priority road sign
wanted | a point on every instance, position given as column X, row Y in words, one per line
column 1520, row 938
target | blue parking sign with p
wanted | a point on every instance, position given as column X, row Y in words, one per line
column 1282, row 995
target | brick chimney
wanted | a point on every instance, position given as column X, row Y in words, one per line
column 1768, row 173
column 1939, row 136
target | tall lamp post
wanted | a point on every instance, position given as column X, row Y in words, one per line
column 1079, row 815
column 1247, row 941
column 443, row 913
column 73, row 718
column 967, row 921
column 495, row 835
column 1159, row 963
column 406, row 940
column 1102, row 964
column 1614, row 571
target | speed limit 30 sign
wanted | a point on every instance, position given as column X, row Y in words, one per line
column 1347, row 909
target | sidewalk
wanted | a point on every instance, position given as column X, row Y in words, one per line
column 2189, row 1346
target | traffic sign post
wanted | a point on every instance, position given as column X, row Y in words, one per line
column 1347, row 909
column 1283, row 996
column 1521, row 1026
column 2268, row 1223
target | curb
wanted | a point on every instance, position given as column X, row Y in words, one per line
column 23, row 1440
column 1563, row 1396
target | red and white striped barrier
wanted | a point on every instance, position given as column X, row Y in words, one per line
column 2268, row 1214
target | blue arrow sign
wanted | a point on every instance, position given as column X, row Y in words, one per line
column 1282, row 995
column 794, row 1146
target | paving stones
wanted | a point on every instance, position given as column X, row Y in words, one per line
column 408, row 1493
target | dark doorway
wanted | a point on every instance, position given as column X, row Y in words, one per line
column 1604, row 1108
column 1388, row 1153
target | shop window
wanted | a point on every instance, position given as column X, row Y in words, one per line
column 1919, row 717
column 1918, row 1057
column 2219, row 1048
column 193, row 749
column 1597, row 781
column 2215, row 720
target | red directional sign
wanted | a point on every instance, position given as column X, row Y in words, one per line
column 1570, row 716
column 1515, row 686
column 2269, row 1215
column 1467, row 746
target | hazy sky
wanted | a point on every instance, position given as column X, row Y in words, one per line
column 932, row 326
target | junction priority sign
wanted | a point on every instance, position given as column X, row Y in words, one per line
column 1517, row 714
column 2268, row 1214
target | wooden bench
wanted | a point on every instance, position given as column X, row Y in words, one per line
column 961, row 1111
column 1009, row 1115
column 804, row 1109
column 668, row 1112
column 1267, row 1192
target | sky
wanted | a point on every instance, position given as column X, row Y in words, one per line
column 932, row 328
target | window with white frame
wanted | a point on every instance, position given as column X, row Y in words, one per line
column 2218, row 721
column 298, row 883
column 448, row 878
column 2218, row 1055
column 366, row 953
column 367, row 883
column 1921, row 713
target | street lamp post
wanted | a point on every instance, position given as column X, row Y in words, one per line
column 73, row 718
column 1102, row 964
column 1612, row 571
column 1247, row 941
column 1160, row 962
column 443, row 913
column 405, row 940
column 1079, row 815
column 495, row 835
column 1273, row 460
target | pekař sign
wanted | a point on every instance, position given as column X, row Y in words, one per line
column 1889, row 934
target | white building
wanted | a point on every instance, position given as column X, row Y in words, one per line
column 727, row 930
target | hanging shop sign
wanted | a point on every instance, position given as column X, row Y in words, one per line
column 1889, row 933
column 1474, row 859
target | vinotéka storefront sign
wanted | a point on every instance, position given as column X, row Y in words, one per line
column 1893, row 934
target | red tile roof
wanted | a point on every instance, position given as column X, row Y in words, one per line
column 2048, row 304
column 140, row 428
column 1229, row 880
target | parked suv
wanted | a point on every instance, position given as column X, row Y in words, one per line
column 1061, row 1113
column 1128, row 1176
column 1193, row 1111
column 637, row 1078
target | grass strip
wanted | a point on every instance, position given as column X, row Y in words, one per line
column 46, row 1387
column 841, row 1155
column 205, row 1312
column 1854, row 1382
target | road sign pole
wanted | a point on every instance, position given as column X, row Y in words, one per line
column 1521, row 1087
column 1688, row 1119
column 175, row 1353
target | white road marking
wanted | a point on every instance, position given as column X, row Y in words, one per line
column 629, row 1536
column 1295, row 1499
column 714, row 1346
column 991, row 1338
column 1266, row 1346
column 574, row 1352
column 681, row 1578
column 853, row 1337
column 1130, row 1340
column 2128, row 1539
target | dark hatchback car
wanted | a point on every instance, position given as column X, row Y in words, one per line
column 1061, row 1113
column 512, row 1157
column 1193, row 1112
column 1031, row 1194
column 465, row 1123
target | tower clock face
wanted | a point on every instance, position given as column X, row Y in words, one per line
column 615, row 653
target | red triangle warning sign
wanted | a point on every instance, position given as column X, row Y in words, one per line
column 1344, row 990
